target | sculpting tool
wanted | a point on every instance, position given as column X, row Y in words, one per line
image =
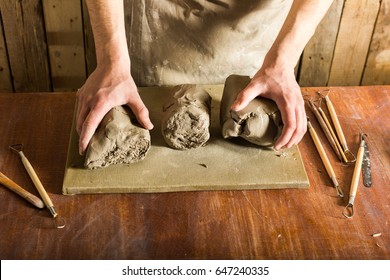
column 348, row 210
column 59, row 222
column 7, row 182
column 340, row 149
column 366, row 166
column 325, row 128
column 324, row 158
column 348, row 154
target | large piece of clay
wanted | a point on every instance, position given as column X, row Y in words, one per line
column 259, row 123
column 118, row 139
column 186, row 117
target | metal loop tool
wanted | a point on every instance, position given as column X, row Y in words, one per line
column 59, row 222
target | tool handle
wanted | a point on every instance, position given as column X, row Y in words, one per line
column 7, row 182
column 325, row 128
column 322, row 153
column 340, row 149
column 34, row 177
column 336, row 122
column 356, row 173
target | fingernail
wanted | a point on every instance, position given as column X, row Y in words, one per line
column 235, row 106
column 149, row 125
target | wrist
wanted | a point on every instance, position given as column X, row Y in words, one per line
column 113, row 70
column 278, row 62
column 112, row 52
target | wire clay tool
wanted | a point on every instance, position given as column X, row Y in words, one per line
column 7, row 182
column 332, row 112
column 348, row 210
column 59, row 222
column 324, row 158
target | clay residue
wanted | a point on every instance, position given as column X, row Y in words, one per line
column 186, row 118
column 118, row 139
column 259, row 123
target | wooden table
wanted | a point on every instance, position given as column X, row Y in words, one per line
column 256, row 224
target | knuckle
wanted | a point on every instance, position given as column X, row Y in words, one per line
column 291, row 126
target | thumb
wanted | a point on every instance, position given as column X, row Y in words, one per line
column 249, row 93
column 141, row 113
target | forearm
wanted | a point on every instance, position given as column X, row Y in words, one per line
column 298, row 28
column 107, row 20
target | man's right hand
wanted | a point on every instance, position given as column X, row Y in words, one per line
column 108, row 86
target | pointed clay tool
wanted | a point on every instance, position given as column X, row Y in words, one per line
column 366, row 166
column 348, row 154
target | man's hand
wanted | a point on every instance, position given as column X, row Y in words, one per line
column 279, row 85
column 276, row 80
column 111, row 84
column 106, row 88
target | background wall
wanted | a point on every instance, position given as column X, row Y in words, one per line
column 47, row 45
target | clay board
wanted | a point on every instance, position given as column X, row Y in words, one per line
column 220, row 165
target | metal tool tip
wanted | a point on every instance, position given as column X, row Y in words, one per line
column 59, row 222
column 339, row 191
column 348, row 211
column 16, row 147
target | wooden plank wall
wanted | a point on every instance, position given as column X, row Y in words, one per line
column 47, row 45
column 24, row 35
column 65, row 40
column 5, row 75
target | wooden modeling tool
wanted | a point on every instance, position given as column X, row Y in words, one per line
column 59, row 222
column 7, row 182
column 325, row 128
column 349, row 210
column 348, row 154
column 326, row 120
column 324, row 158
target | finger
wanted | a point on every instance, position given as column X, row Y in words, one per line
column 90, row 125
column 302, row 126
column 246, row 96
column 140, row 111
column 289, row 126
column 82, row 112
column 299, row 131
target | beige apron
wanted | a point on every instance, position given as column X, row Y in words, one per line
column 200, row 41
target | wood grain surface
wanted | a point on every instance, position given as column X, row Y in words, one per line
column 378, row 59
column 318, row 54
column 255, row 224
column 353, row 40
column 26, row 45
column 65, row 40
column 5, row 74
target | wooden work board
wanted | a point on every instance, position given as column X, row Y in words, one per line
column 220, row 165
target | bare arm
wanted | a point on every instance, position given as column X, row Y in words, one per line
column 111, row 84
column 276, row 80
